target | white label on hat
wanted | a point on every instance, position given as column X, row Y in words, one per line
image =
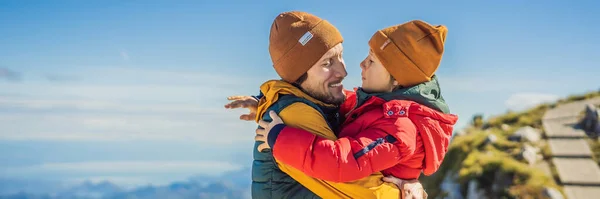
column 385, row 44
column 305, row 38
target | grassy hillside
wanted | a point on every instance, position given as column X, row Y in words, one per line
column 485, row 154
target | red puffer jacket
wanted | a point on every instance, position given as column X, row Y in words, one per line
column 397, row 137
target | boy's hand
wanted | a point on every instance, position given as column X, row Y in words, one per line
column 409, row 189
column 248, row 102
column 262, row 134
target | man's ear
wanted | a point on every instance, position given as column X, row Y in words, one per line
column 395, row 83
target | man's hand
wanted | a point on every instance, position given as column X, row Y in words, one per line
column 263, row 134
column 409, row 189
column 243, row 102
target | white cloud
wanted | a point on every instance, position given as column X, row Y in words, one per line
column 131, row 167
column 508, row 83
column 478, row 84
column 103, row 105
column 164, row 77
column 112, row 104
column 203, row 125
column 152, row 93
column 142, row 85
column 149, row 107
column 522, row 101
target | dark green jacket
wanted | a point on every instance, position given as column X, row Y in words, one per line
column 268, row 181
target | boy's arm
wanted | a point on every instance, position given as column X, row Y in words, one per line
column 342, row 160
column 302, row 116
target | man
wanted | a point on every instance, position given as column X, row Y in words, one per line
column 306, row 52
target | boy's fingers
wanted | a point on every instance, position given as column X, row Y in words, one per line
column 260, row 132
column 392, row 180
column 263, row 123
column 274, row 116
column 263, row 146
column 259, row 138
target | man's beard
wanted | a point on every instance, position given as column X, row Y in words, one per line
column 329, row 99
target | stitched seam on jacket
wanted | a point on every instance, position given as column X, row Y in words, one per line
column 389, row 139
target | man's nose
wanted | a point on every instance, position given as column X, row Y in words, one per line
column 341, row 70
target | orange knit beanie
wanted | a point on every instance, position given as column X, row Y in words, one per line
column 411, row 52
column 297, row 41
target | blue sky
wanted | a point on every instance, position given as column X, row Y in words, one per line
column 141, row 84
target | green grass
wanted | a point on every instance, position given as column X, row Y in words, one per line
column 545, row 149
column 531, row 117
column 595, row 146
column 574, row 98
column 469, row 157
column 457, row 151
column 473, row 158
column 527, row 181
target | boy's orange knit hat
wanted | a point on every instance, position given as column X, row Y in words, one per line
column 411, row 52
column 297, row 41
